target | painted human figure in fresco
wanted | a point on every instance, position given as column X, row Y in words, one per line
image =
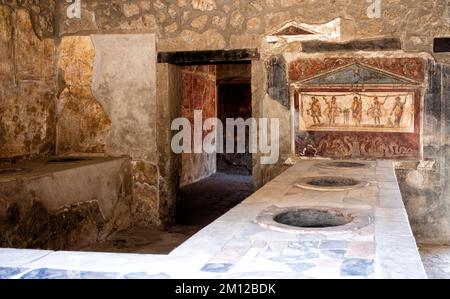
column 346, row 116
column 357, row 110
column 332, row 110
column 315, row 110
column 398, row 110
column 376, row 110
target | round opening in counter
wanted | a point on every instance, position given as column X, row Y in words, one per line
column 312, row 218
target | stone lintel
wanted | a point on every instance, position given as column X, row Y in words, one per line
column 382, row 44
column 208, row 57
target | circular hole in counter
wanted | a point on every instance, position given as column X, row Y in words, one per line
column 312, row 218
column 332, row 182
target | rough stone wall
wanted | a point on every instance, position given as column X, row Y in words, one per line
column 27, row 88
column 425, row 186
column 206, row 24
column 42, row 15
column 198, row 93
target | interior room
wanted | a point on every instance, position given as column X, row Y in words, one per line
column 241, row 139
column 212, row 184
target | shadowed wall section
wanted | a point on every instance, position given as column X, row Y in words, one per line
column 198, row 93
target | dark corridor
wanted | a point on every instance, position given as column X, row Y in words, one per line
column 235, row 101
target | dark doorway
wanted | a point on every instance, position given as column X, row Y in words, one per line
column 202, row 202
column 208, row 192
column 234, row 101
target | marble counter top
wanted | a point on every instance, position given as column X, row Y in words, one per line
column 235, row 246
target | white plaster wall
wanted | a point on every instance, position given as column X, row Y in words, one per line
column 124, row 82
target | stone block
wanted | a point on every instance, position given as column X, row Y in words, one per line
column 277, row 83
column 41, row 63
column 76, row 59
column 82, row 124
column 66, row 207
column 384, row 44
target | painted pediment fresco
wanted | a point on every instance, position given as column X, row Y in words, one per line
column 358, row 74
column 294, row 31
column 358, row 108
column 302, row 69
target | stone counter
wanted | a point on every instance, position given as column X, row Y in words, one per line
column 65, row 205
column 235, row 246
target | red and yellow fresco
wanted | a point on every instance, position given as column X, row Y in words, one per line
column 362, row 111
column 366, row 121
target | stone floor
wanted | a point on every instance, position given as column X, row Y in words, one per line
column 436, row 260
column 200, row 204
column 203, row 202
column 146, row 240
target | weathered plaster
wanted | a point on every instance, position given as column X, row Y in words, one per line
column 42, row 14
column 124, row 84
column 82, row 124
column 27, row 88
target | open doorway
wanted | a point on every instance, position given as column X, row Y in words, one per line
column 212, row 184
column 205, row 186
column 234, row 101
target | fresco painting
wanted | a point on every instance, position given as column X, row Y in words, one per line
column 357, row 107
column 358, row 111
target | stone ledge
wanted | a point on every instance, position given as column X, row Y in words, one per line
column 208, row 57
column 382, row 44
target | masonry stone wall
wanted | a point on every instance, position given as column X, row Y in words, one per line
column 42, row 15
column 425, row 185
